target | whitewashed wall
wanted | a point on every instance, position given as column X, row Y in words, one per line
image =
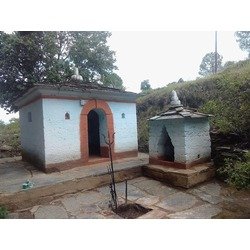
column 32, row 133
column 175, row 129
column 62, row 137
column 198, row 144
column 125, row 128
column 54, row 139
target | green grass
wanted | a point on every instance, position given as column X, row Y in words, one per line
column 226, row 95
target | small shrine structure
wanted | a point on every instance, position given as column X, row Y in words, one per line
column 179, row 136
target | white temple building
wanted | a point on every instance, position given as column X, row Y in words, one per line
column 63, row 126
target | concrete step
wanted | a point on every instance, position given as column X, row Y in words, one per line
column 48, row 187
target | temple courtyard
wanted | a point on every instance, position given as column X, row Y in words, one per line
column 84, row 194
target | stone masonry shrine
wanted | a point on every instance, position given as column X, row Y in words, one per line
column 63, row 126
column 179, row 137
column 180, row 146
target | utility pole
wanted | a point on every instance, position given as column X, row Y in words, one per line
column 215, row 55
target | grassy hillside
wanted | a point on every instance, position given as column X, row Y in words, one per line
column 226, row 95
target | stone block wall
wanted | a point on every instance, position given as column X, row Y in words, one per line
column 190, row 138
column 197, row 139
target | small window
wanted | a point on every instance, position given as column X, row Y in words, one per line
column 67, row 116
column 29, row 117
column 123, row 115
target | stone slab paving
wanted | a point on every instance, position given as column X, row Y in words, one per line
column 51, row 212
column 213, row 199
column 212, row 188
column 71, row 204
column 178, row 202
column 148, row 201
column 208, row 200
column 155, row 214
column 89, row 197
column 147, row 184
column 205, row 211
column 152, row 187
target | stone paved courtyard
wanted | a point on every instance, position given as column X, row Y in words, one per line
column 208, row 200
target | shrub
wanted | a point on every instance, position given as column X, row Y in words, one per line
column 10, row 135
column 236, row 173
column 3, row 212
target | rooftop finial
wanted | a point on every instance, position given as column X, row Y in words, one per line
column 175, row 102
column 76, row 76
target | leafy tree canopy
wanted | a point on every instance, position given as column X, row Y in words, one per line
column 229, row 64
column 145, row 85
column 207, row 66
column 243, row 38
column 112, row 80
column 47, row 57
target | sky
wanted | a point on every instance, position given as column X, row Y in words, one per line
column 163, row 56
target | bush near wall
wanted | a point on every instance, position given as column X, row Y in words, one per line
column 10, row 136
column 236, row 172
column 3, row 212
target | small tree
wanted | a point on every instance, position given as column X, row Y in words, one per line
column 180, row 80
column 243, row 38
column 145, row 85
column 207, row 66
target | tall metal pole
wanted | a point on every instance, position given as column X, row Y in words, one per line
column 215, row 54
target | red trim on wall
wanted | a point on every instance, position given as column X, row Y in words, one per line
column 90, row 105
column 78, row 163
column 126, row 154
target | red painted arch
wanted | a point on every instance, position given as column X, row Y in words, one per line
column 90, row 105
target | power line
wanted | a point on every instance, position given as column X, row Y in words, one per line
column 215, row 54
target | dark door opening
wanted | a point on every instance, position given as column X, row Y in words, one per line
column 93, row 133
column 165, row 146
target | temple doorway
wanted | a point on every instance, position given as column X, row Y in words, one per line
column 165, row 146
column 94, row 133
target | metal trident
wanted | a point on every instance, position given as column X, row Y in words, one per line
column 109, row 142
